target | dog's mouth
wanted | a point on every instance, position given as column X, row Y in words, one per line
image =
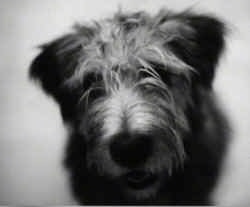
column 138, row 179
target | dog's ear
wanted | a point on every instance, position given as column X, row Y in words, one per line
column 198, row 40
column 57, row 61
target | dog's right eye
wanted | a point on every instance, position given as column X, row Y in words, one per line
column 92, row 85
column 91, row 79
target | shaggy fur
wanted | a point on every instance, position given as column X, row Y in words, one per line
column 136, row 91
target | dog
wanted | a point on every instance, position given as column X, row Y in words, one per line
column 136, row 91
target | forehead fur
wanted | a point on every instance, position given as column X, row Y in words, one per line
column 127, row 40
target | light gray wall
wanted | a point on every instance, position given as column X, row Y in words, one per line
column 32, row 135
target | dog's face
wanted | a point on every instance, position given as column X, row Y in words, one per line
column 126, row 87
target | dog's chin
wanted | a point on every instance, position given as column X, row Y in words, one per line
column 139, row 184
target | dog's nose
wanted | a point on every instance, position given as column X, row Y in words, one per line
column 131, row 151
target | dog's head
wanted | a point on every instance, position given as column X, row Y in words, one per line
column 127, row 86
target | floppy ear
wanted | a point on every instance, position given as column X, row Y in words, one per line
column 198, row 40
column 56, row 62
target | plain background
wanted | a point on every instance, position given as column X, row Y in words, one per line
column 32, row 135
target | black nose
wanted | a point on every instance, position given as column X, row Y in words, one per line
column 131, row 150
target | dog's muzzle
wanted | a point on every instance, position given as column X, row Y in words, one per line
column 131, row 151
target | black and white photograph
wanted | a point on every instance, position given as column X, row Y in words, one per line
column 125, row 102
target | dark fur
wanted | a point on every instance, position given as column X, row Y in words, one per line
column 205, row 140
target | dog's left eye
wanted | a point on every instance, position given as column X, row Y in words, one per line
column 168, row 77
column 173, row 80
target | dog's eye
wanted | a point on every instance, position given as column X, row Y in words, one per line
column 173, row 80
column 169, row 78
column 166, row 76
column 92, row 84
column 91, row 79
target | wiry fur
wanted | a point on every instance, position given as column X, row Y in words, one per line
column 137, row 91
